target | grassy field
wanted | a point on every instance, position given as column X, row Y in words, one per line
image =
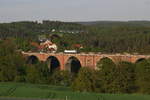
column 60, row 93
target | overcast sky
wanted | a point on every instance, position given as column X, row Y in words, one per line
column 74, row 10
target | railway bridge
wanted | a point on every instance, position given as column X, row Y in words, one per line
column 62, row 60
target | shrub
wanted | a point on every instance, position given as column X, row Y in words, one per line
column 87, row 81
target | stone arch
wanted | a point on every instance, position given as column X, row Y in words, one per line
column 140, row 59
column 53, row 63
column 107, row 61
column 107, row 58
column 73, row 64
column 32, row 59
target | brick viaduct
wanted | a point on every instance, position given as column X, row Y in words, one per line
column 88, row 60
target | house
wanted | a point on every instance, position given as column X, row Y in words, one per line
column 48, row 46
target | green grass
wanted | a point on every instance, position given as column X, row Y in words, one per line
column 57, row 92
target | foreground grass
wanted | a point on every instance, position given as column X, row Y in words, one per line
column 55, row 92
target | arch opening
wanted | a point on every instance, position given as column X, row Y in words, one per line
column 104, row 63
column 106, row 59
column 140, row 60
column 53, row 63
column 73, row 65
column 32, row 60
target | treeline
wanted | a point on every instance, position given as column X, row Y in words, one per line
column 26, row 29
column 111, row 38
column 25, row 32
column 123, row 77
column 120, row 38
column 105, row 37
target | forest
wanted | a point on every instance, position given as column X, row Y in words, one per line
column 105, row 37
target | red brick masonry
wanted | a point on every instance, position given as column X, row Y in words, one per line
column 88, row 60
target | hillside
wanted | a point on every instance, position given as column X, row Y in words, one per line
column 110, row 23
column 100, row 36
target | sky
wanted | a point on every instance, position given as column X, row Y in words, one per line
column 74, row 10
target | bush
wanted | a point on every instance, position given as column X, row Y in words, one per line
column 125, row 78
column 143, row 76
column 87, row 81
column 63, row 78
column 107, row 75
column 20, row 79
column 33, row 75
column 11, row 62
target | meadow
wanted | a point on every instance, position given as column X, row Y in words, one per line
column 24, row 90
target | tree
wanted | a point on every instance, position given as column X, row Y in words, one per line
column 63, row 78
column 87, row 81
column 125, row 78
column 43, row 71
column 37, row 73
column 143, row 76
column 11, row 62
column 107, row 74
column 33, row 75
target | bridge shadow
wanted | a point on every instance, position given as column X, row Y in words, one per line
column 73, row 65
column 32, row 60
column 53, row 63
column 140, row 60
